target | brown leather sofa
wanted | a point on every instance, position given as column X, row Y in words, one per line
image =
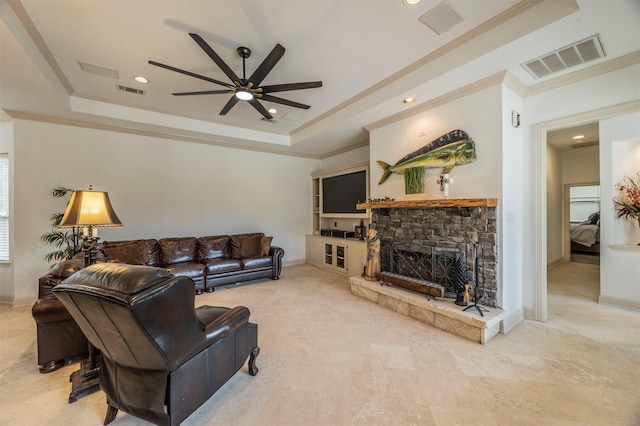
column 160, row 358
column 210, row 261
column 59, row 337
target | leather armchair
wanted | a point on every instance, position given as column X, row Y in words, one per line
column 160, row 358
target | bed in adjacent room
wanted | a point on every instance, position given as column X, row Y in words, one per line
column 585, row 236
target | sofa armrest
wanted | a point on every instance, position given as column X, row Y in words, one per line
column 276, row 253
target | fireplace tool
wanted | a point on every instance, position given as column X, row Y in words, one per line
column 461, row 280
column 475, row 305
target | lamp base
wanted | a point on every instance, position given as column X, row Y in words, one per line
column 86, row 380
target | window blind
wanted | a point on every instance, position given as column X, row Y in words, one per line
column 4, row 207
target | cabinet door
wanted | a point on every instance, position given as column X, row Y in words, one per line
column 314, row 250
column 356, row 258
column 335, row 256
column 329, row 256
column 340, row 262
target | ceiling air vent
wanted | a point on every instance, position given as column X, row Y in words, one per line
column 441, row 18
column 130, row 89
column 98, row 70
column 566, row 57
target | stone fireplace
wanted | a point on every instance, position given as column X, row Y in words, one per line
column 424, row 243
column 421, row 239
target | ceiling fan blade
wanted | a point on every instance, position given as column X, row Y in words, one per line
column 214, row 56
column 230, row 104
column 191, row 74
column 269, row 62
column 291, row 86
column 204, row 92
column 262, row 110
column 285, row 102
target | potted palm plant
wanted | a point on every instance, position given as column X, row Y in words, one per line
column 68, row 242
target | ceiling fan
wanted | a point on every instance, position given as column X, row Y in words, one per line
column 247, row 89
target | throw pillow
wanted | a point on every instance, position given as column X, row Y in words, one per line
column 131, row 253
column 251, row 245
column 266, row 245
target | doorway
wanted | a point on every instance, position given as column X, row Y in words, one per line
column 540, row 193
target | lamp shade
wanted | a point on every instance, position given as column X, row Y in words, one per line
column 90, row 208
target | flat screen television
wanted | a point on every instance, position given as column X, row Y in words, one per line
column 341, row 193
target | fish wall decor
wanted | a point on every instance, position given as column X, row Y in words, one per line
column 449, row 150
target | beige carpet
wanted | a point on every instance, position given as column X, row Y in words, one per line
column 330, row 358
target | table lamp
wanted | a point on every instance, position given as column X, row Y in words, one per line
column 90, row 210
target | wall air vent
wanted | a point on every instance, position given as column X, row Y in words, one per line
column 566, row 57
column 130, row 89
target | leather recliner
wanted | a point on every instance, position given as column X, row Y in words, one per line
column 160, row 358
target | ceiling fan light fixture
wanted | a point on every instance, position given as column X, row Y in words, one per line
column 245, row 95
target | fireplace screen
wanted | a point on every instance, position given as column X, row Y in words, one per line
column 437, row 266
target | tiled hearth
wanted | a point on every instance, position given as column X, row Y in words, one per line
column 440, row 313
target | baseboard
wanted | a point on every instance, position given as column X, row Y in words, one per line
column 619, row 303
column 511, row 320
column 529, row 313
column 12, row 301
column 294, row 262
column 555, row 263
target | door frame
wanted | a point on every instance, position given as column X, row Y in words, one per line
column 540, row 190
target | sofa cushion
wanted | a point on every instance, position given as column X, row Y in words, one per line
column 177, row 250
column 213, row 247
column 246, row 245
column 221, row 266
column 256, row 262
column 266, row 245
column 132, row 253
column 192, row 270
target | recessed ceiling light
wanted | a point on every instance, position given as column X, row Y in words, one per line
column 410, row 2
column 408, row 100
column 578, row 137
column 272, row 110
column 140, row 79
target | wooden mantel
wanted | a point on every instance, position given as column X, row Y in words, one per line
column 425, row 204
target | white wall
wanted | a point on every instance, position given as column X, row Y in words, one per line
column 615, row 88
column 620, row 156
column 346, row 159
column 511, row 210
column 158, row 187
column 480, row 115
column 581, row 165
